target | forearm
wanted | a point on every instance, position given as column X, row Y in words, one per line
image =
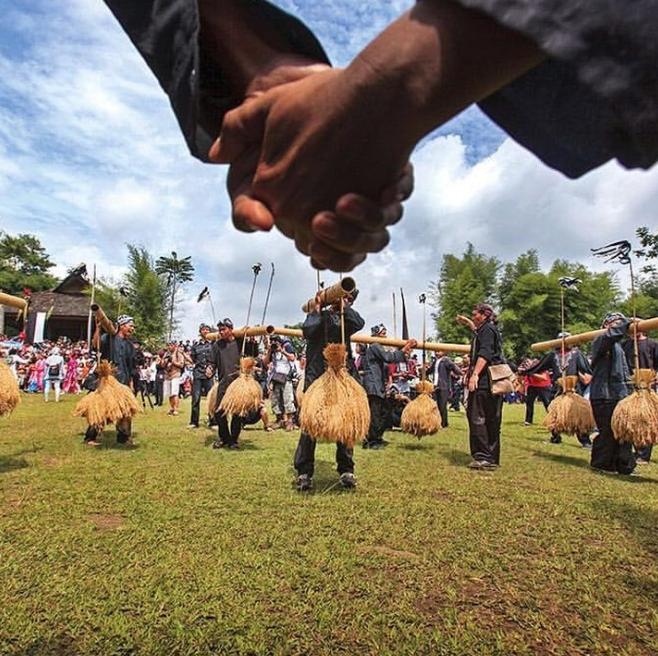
column 436, row 60
column 480, row 364
column 243, row 43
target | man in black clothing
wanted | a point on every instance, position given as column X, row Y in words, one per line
column 444, row 371
column 484, row 410
column 647, row 353
column 203, row 372
column 610, row 384
column 374, row 364
column 226, row 360
column 322, row 327
column 120, row 351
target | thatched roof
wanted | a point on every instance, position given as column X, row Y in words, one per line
column 66, row 300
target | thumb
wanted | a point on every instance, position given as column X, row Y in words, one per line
column 242, row 127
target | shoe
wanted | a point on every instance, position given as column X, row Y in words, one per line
column 641, row 461
column 609, row 472
column 269, row 429
column 348, row 480
column 304, row 483
column 527, row 423
column 234, row 446
column 217, row 445
column 192, row 426
column 554, row 441
column 92, row 443
column 170, row 413
column 175, row 413
column 589, row 447
column 375, row 446
column 482, row 465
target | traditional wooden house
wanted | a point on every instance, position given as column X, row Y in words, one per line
column 61, row 312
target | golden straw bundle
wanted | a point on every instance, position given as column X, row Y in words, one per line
column 569, row 412
column 244, row 394
column 9, row 395
column 212, row 400
column 110, row 403
column 635, row 418
column 335, row 406
column 421, row 416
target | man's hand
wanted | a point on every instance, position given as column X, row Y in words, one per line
column 306, row 128
column 473, row 381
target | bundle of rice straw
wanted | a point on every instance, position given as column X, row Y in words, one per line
column 421, row 416
column 244, row 394
column 335, row 406
column 569, row 412
column 110, row 403
column 635, row 418
column 212, row 400
column 9, row 395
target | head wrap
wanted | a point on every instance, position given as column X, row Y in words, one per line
column 124, row 319
column 562, row 334
column 377, row 329
column 487, row 311
column 203, row 325
column 612, row 316
column 225, row 323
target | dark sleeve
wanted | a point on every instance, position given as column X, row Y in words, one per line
column 166, row 33
column 547, row 363
column 486, row 344
column 596, row 96
column 603, row 344
column 312, row 324
column 353, row 321
column 454, row 368
column 387, row 356
column 582, row 366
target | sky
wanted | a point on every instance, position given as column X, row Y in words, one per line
column 91, row 157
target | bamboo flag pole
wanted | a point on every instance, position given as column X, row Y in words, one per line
column 244, row 394
column 421, row 416
column 395, row 319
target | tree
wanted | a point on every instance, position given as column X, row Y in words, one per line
column 146, row 295
column 462, row 283
column 24, row 263
column 177, row 272
column 527, row 262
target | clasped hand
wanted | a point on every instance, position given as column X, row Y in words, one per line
column 309, row 158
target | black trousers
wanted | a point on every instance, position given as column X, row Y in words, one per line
column 200, row 387
column 541, row 393
column 484, row 412
column 644, row 452
column 377, row 419
column 159, row 391
column 124, row 431
column 607, row 452
column 305, row 457
column 441, row 396
column 227, row 434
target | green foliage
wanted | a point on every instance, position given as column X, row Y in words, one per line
column 177, row 271
column 462, row 283
column 24, row 263
column 646, row 302
column 146, row 296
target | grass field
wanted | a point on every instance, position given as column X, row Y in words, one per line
column 175, row 548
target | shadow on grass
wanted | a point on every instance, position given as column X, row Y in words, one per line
column 325, row 478
column 12, row 461
column 245, row 445
column 457, row 457
column 416, row 445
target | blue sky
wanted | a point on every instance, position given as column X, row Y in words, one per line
column 91, row 157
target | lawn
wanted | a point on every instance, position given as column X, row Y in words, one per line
column 175, row 548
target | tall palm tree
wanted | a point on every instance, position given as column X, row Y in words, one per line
column 178, row 271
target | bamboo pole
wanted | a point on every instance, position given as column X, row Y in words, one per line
column 14, row 301
column 642, row 326
column 254, row 331
column 386, row 341
column 331, row 294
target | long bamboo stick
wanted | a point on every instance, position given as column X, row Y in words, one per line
column 386, row 341
column 13, row 301
column 255, row 331
column 581, row 338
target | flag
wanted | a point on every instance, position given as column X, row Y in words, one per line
column 50, row 312
column 405, row 326
column 204, row 292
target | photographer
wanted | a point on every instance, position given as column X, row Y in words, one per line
column 281, row 356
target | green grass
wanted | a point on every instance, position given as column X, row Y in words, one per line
column 174, row 548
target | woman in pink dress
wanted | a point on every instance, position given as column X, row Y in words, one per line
column 70, row 384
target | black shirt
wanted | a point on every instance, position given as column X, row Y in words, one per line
column 487, row 344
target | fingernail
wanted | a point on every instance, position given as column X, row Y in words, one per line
column 213, row 153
